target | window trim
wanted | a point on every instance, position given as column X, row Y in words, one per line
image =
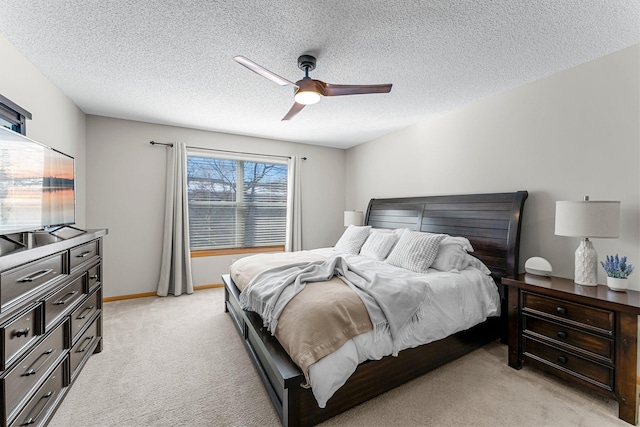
column 198, row 253
column 238, row 157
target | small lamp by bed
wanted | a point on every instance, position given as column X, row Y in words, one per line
column 587, row 219
column 353, row 218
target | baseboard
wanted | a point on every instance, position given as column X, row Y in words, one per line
column 211, row 286
column 153, row 294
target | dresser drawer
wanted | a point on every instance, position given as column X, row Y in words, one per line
column 580, row 367
column 94, row 275
column 63, row 300
column 579, row 341
column 580, row 315
column 83, row 253
column 84, row 313
column 84, row 347
column 37, row 411
column 20, row 281
column 19, row 333
column 33, row 368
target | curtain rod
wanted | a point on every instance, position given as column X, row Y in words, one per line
column 169, row 144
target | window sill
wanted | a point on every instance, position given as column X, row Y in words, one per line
column 235, row 251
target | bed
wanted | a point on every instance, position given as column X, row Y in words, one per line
column 491, row 222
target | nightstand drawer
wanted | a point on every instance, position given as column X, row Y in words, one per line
column 580, row 341
column 580, row 315
column 572, row 364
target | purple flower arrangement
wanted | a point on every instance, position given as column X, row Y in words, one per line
column 617, row 267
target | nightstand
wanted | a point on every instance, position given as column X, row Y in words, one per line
column 584, row 334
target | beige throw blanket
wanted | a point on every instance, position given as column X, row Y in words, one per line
column 319, row 319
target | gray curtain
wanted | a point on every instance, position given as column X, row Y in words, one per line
column 293, row 238
column 175, row 271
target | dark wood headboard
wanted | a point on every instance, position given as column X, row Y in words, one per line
column 491, row 222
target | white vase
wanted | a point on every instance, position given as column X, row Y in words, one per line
column 617, row 284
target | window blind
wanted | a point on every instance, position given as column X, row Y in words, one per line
column 236, row 203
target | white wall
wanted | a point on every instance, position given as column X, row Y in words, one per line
column 572, row 134
column 56, row 121
column 126, row 184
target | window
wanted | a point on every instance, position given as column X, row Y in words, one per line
column 236, row 203
column 12, row 116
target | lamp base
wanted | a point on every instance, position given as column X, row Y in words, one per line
column 586, row 264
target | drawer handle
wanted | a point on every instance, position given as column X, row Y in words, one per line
column 89, row 341
column 85, row 312
column 562, row 334
column 562, row 359
column 30, row 371
column 22, row 332
column 84, row 254
column 35, row 276
column 94, row 277
column 561, row 310
column 32, row 420
column 66, row 298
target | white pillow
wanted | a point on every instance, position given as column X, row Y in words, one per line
column 352, row 239
column 476, row 263
column 452, row 254
column 415, row 251
column 398, row 231
column 462, row 241
column 378, row 245
column 450, row 257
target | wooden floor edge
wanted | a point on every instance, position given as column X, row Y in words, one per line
column 153, row 294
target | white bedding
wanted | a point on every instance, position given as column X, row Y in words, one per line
column 459, row 301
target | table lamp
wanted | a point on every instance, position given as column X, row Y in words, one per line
column 587, row 219
column 353, row 218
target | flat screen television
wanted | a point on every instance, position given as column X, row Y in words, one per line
column 37, row 186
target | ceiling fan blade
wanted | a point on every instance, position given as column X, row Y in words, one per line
column 258, row 69
column 339, row 90
column 293, row 111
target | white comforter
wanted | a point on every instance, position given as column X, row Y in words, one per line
column 459, row 301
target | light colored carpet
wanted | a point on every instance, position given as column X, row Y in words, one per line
column 178, row 361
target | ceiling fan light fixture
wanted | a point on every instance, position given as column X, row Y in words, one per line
column 308, row 91
column 307, row 97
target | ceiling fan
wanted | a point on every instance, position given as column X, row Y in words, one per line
column 307, row 90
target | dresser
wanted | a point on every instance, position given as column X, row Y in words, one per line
column 50, row 321
column 587, row 335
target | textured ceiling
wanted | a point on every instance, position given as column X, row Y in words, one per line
column 171, row 61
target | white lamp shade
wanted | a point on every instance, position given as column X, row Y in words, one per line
column 588, row 219
column 353, row 218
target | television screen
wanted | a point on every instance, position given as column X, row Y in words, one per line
column 36, row 185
